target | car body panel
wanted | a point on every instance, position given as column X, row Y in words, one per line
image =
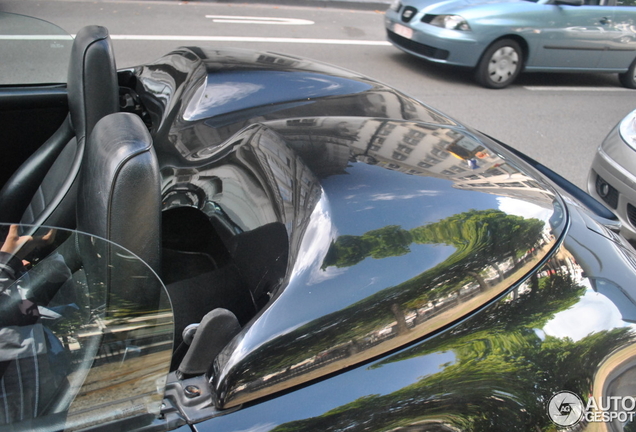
column 555, row 37
column 299, row 185
column 333, row 281
column 490, row 363
column 174, row 87
column 280, row 352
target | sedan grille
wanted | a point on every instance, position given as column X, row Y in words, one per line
column 416, row 47
column 631, row 214
column 408, row 13
column 428, row 18
column 607, row 192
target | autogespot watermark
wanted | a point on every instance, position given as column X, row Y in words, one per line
column 567, row 409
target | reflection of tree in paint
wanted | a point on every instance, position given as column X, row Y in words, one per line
column 490, row 235
column 502, row 377
column 481, row 238
column 409, row 304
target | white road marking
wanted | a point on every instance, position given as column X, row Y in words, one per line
column 258, row 20
column 249, row 39
column 36, row 37
column 563, row 88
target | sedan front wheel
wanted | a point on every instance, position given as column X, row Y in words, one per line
column 501, row 63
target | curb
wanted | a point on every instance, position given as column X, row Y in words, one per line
column 370, row 5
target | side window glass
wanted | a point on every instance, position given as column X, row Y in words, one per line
column 33, row 51
column 85, row 332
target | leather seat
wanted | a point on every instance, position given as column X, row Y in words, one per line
column 119, row 199
column 42, row 190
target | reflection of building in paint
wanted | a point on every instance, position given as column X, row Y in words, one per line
column 514, row 185
column 418, row 148
column 327, row 143
column 297, row 188
column 323, row 143
column 267, row 182
column 443, row 152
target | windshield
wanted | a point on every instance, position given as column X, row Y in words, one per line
column 33, row 51
column 86, row 332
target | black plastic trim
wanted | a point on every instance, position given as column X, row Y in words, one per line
column 416, row 47
column 28, row 97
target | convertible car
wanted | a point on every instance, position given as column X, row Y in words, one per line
column 230, row 240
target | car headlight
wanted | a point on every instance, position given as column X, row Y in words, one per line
column 452, row 22
column 395, row 5
column 627, row 129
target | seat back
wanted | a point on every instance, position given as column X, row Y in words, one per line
column 42, row 190
column 119, row 199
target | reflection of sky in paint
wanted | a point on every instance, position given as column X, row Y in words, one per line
column 523, row 208
column 320, row 398
column 317, row 238
column 218, row 94
column 593, row 313
column 371, row 197
column 233, row 91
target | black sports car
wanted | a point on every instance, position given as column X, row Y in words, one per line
column 230, row 240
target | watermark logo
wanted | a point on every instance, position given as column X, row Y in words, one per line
column 565, row 409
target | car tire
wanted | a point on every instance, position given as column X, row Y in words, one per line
column 628, row 79
column 500, row 64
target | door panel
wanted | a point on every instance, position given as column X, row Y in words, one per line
column 577, row 38
column 622, row 43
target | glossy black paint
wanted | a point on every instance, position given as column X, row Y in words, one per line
column 494, row 371
column 402, row 267
column 198, row 98
column 567, row 326
column 431, row 279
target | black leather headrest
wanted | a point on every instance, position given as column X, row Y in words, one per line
column 93, row 91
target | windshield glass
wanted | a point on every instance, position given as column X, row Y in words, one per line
column 85, row 332
column 33, row 51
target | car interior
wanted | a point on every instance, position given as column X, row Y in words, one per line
column 92, row 167
column 42, row 189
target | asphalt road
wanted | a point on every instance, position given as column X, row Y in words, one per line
column 559, row 119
